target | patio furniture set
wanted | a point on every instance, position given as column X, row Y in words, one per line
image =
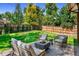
column 37, row 49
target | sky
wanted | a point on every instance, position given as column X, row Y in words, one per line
column 10, row 7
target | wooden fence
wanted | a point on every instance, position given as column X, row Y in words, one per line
column 11, row 28
column 60, row 30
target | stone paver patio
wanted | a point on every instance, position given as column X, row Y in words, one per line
column 53, row 51
column 76, row 50
column 56, row 51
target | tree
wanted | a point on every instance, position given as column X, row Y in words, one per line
column 51, row 8
column 18, row 15
column 51, row 14
column 56, row 21
column 24, row 11
column 67, row 20
column 0, row 16
column 8, row 16
column 33, row 15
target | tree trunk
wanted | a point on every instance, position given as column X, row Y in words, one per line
column 78, row 22
column 78, row 26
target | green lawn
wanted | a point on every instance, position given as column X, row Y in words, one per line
column 27, row 37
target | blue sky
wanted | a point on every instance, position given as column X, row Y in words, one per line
column 4, row 7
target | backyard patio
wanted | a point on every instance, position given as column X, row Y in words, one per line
column 34, row 31
column 52, row 51
column 33, row 37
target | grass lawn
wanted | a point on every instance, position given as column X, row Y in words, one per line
column 27, row 37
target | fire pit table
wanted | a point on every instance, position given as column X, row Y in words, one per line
column 42, row 45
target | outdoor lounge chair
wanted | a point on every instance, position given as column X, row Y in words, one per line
column 15, row 49
column 23, row 50
column 36, row 52
column 43, row 37
column 61, row 40
column 29, row 50
column 19, row 48
column 32, row 50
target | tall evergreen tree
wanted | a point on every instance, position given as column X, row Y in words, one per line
column 51, row 8
column 18, row 15
column 51, row 13
column 8, row 16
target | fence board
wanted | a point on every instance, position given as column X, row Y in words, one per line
column 59, row 30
